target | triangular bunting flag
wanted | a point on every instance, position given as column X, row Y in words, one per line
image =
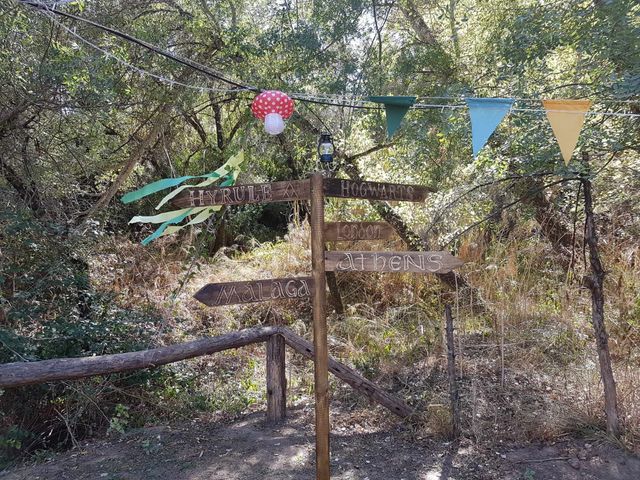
column 486, row 114
column 395, row 108
column 566, row 118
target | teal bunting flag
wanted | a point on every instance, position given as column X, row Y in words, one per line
column 395, row 109
column 486, row 114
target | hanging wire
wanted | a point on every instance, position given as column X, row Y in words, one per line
column 138, row 69
column 344, row 100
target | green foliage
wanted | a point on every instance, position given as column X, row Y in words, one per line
column 72, row 117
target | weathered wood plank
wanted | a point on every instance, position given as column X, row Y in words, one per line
column 321, row 357
column 276, row 380
column 417, row 262
column 216, row 294
column 28, row 373
column 244, row 194
column 350, row 376
column 352, row 231
column 336, row 187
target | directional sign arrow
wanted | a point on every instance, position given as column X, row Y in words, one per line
column 418, row 262
column 351, row 231
column 392, row 192
column 216, row 294
column 243, row 194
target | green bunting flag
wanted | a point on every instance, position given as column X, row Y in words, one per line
column 395, row 108
column 169, row 220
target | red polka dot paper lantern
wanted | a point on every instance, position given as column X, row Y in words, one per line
column 274, row 108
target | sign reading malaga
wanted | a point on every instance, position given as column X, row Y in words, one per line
column 215, row 294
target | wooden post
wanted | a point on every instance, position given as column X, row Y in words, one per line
column 595, row 283
column 451, row 371
column 321, row 363
column 276, row 380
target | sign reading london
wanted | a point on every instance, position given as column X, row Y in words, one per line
column 334, row 187
column 243, row 194
column 417, row 262
column 352, row 231
column 215, row 294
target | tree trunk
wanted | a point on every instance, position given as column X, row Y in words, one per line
column 595, row 283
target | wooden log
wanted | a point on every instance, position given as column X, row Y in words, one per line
column 342, row 188
column 350, row 376
column 243, row 194
column 216, row 294
column 276, row 380
column 417, row 262
column 451, row 372
column 27, row 373
column 321, row 372
column 352, row 231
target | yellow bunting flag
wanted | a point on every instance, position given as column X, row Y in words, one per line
column 566, row 118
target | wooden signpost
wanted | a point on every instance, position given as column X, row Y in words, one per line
column 315, row 189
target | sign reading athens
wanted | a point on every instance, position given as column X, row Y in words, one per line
column 375, row 190
column 417, row 262
column 215, row 294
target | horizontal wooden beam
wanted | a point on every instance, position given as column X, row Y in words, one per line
column 27, row 373
column 350, row 376
column 19, row 374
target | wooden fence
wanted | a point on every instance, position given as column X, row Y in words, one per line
column 27, row 373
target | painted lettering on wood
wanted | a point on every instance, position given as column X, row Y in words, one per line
column 417, row 262
column 215, row 294
column 334, row 187
column 351, row 231
column 243, row 194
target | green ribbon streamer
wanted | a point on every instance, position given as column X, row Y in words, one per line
column 205, row 212
column 162, row 185
column 395, row 108
column 162, row 227
column 169, row 219
column 230, row 165
column 172, row 182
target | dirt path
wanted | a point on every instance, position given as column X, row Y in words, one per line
column 361, row 449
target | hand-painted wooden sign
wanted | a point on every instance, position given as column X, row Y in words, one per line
column 334, row 187
column 215, row 294
column 242, row 194
column 351, row 231
column 418, row 262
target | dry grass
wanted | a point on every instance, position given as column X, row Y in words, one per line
column 528, row 371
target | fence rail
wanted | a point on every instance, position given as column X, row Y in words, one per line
column 19, row 374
